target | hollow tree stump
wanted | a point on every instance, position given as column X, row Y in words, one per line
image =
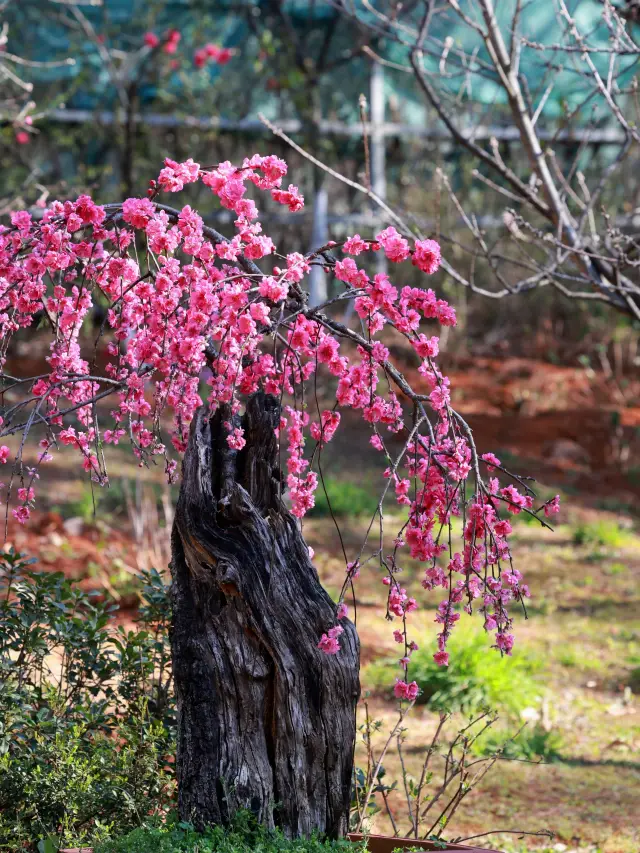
column 266, row 721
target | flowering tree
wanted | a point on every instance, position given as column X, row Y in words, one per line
column 203, row 353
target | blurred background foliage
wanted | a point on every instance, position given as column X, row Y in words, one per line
column 105, row 123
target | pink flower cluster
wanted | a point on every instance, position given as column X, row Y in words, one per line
column 402, row 690
column 329, row 641
column 193, row 308
column 171, row 39
column 301, row 488
column 212, row 53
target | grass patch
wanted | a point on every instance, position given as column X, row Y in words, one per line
column 603, row 533
column 577, row 656
column 633, row 680
column 95, row 502
column 477, row 676
column 616, row 569
column 531, row 743
column 243, row 836
column 343, row 498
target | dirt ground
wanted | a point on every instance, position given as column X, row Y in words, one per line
column 578, row 435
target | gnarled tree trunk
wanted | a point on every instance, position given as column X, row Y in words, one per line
column 266, row 721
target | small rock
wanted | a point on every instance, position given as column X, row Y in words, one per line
column 73, row 526
column 531, row 715
column 619, row 710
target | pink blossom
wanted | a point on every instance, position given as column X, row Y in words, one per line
column 21, row 220
column 171, row 43
column 291, row 197
column 427, row 347
column 138, row 211
column 491, row 460
column 329, row 642
column 402, row 690
column 88, row 211
column 376, row 442
column 552, row 506
column 502, row 528
column 325, row 430
column 395, row 246
column 504, row 642
column 445, row 313
column 426, row 256
column 515, row 501
column 175, row 175
column 355, row 245
column 273, row 290
column 236, row 439
column 329, row 645
column 353, row 569
column 21, row 514
column 151, row 40
column 218, row 54
column 440, row 398
column 258, row 247
column 297, row 267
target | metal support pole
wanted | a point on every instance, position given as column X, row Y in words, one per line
column 378, row 145
column 319, row 236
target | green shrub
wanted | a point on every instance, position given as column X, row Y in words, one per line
column 477, row 676
column 94, row 502
column 601, row 533
column 343, row 498
column 616, row 569
column 633, row 680
column 86, row 716
column 243, row 836
column 530, row 743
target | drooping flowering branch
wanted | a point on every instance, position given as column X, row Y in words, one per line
column 186, row 306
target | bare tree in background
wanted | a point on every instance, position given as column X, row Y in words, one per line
column 558, row 228
column 18, row 109
column 17, row 106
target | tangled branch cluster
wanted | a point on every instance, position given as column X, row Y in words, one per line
column 564, row 224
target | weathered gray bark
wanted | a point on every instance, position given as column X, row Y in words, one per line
column 266, row 721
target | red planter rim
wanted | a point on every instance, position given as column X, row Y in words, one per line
column 387, row 844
